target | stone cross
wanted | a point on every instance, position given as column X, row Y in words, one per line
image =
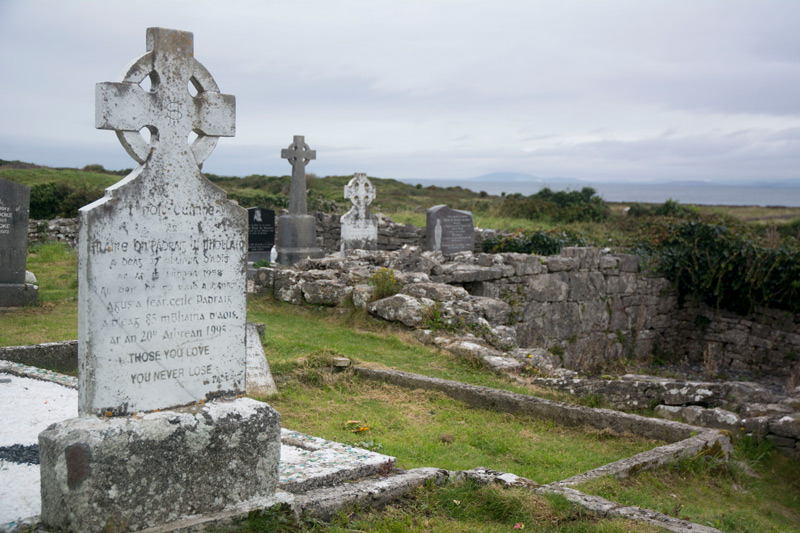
column 162, row 257
column 359, row 226
column 360, row 192
column 299, row 154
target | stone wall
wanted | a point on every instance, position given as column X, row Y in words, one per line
column 591, row 310
column 391, row 235
column 58, row 229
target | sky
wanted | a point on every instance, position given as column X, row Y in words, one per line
column 628, row 91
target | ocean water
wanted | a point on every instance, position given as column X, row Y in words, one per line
column 685, row 193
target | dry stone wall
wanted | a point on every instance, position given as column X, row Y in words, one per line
column 591, row 310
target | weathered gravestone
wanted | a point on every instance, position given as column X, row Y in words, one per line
column 14, row 206
column 297, row 231
column 161, row 322
column 449, row 230
column 261, row 233
column 359, row 225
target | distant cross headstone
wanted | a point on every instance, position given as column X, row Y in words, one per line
column 261, row 233
column 359, row 225
column 298, row 154
column 297, row 231
column 161, row 312
column 449, row 230
column 14, row 207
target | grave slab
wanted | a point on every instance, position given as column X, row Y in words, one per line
column 359, row 225
column 449, row 230
column 14, row 209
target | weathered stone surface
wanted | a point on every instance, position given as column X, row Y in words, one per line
column 161, row 274
column 258, row 376
column 699, row 416
column 557, row 263
column 440, row 292
column 362, row 295
column 60, row 356
column 401, row 308
column 120, row 472
column 326, row 292
column 359, row 225
column 786, row 426
column 449, row 230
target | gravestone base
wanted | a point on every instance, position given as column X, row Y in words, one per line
column 18, row 294
column 134, row 472
column 297, row 239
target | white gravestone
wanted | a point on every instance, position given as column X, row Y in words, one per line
column 162, row 255
column 161, row 293
column 359, row 225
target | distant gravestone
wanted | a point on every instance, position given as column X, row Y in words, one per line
column 449, row 230
column 14, row 207
column 297, row 231
column 261, row 233
column 161, row 312
column 359, row 225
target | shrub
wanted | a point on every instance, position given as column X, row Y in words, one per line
column 723, row 266
column 558, row 206
column 670, row 208
column 385, row 283
column 58, row 199
column 533, row 242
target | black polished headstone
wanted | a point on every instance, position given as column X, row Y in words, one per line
column 261, row 233
column 449, row 230
column 14, row 206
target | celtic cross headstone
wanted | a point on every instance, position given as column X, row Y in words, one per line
column 161, row 312
column 359, row 225
column 297, row 231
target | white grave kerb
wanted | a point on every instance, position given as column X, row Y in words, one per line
column 162, row 257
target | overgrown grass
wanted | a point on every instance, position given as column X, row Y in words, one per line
column 427, row 428
column 759, row 491
column 460, row 507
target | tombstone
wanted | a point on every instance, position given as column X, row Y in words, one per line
column 261, row 233
column 449, row 230
column 359, row 225
column 297, row 231
column 161, row 357
column 14, row 207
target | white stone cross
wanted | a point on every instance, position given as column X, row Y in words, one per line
column 168, row 110
column 299, row 154
column 360, row 192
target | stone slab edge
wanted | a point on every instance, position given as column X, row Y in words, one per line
column 63, row 356
column 567, row 414
column 24, row 371
column 593, row 504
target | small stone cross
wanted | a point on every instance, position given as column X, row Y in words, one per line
column 168, row 109
column 299, row 154
column 360, row 192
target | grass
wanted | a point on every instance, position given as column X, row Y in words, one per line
column 458, row 507
column 759, row 491
column 429, row 429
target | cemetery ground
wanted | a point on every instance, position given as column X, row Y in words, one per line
column 755, row 492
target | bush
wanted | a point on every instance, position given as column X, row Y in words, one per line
column 723, row 266
column 58, row 199
column 533, row 242
column 670, row 208
column 385, row 283
column 558, row 206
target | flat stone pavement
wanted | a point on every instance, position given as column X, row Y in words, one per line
column 29, row 404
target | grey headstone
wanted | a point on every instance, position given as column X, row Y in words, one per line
column 161, row 311
column 14, row 207
column 359, row 225
column 261, row 233
column 449, row 230
column 297, row 231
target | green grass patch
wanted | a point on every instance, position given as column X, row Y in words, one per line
column 760, row 492
column 429, row 429
column 457, row 507
column 56, row 267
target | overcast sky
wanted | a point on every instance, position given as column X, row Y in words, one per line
column 595, row 90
